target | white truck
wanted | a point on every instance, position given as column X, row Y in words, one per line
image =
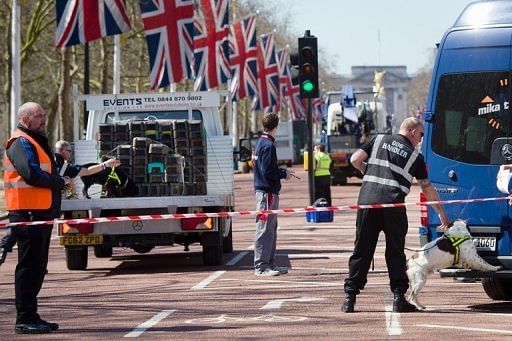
column 214, row 234
column 284, row 143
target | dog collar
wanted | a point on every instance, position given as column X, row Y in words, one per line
column 456, row 240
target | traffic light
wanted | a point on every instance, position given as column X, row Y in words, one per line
column 294, row 69
column 308, row 66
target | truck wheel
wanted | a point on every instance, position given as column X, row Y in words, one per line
column 102, row 251
column 212, row 249
column 142, row 248
column 227, row 243
column 499, row 289
column 76, row 257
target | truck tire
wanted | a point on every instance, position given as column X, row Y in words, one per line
column 227, row 243
column 102, row 251
column 212, row 249
column 339, row 180
column 142, row 248
column 498, row 289
column 76, row 257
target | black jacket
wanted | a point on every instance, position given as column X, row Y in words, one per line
column 267, row 175
column 23, row 156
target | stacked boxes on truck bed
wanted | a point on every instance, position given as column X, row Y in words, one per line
column 163, row 157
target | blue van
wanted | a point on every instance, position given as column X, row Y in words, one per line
column 468, row 134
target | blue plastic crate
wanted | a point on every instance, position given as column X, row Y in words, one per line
column 320, row 217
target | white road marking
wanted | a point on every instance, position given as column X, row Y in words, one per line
column 500, row 331
column 393, row 321
column 208, row 280
column 217, row 274
column 141, row 328
column 281, row 282
column 276, row 304
column 237, row 258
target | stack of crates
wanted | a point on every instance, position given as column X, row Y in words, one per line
column 124, row 154
column 157, row 161
column 166, row 134
column 121, row 135
column 106, row 142
column 174, row 173
column 163, row 157
column 136, row 129
column 198, row 157
column 151, row 130
column 140, row 159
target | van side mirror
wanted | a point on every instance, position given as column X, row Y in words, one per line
column 245, row 150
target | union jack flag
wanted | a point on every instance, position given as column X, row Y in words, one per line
column 268, row 74
column 318, row 105
column 243, row 58
column 81, row 21
column 211, row 48
column 169, row 26
column 290, row 94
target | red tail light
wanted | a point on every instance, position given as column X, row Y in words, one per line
column 196, row 224
column 84, row 228
column 423, row 211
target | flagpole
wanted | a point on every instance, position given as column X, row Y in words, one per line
column 117, row 65
column 15, row 68
column 86, row 82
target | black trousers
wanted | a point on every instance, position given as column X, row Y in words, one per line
column 8, row 241
column 369, row 224
column 323, row 188
column 33, row 247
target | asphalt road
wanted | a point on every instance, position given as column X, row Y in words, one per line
column 168, row 294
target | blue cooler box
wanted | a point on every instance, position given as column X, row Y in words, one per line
column 320, row 217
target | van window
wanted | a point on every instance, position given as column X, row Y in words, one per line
column 471, row 111
column 161, row 115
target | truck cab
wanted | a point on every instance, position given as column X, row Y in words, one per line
column 468, row 134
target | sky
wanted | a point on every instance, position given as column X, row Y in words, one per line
column 348, row 31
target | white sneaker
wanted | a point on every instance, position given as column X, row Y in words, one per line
column 266, row 272
column 281, row 270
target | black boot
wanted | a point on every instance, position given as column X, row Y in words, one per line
column 3, row 254
column 348, row 304
column 401, row 305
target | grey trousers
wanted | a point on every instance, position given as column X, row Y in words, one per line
column 265, row 236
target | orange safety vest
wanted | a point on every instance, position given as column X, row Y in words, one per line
column 18, row 194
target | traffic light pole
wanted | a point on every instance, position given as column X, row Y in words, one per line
column 311, row 157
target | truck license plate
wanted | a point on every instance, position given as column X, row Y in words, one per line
column 485, row 243
column 89, row 239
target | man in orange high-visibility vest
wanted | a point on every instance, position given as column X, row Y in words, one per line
column 32, row 191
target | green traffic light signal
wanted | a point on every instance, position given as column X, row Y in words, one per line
column 308, row 86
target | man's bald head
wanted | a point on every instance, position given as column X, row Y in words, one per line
column 31, row 115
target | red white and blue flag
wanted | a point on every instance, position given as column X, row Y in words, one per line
column 243, row 58
column 290, row 94
column 318, row 106
column 268, row 74
column 211, row 48
column 169, row 26
column 81, row 21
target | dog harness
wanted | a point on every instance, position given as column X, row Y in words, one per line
column 455, row 241
column 113, row 175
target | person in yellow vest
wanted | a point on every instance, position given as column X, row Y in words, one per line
column 32, row 191
column 322, row 174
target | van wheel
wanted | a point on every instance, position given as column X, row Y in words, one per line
column 102, row 251
column 499, row 289
column 142, row 248
column 227, row 243
column 212, row 248
column 76, row 257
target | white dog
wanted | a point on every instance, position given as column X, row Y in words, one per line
column 455, row 248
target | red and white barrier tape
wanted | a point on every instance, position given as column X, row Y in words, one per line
column 246, row 213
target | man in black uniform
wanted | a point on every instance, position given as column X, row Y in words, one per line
column 389, row 164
